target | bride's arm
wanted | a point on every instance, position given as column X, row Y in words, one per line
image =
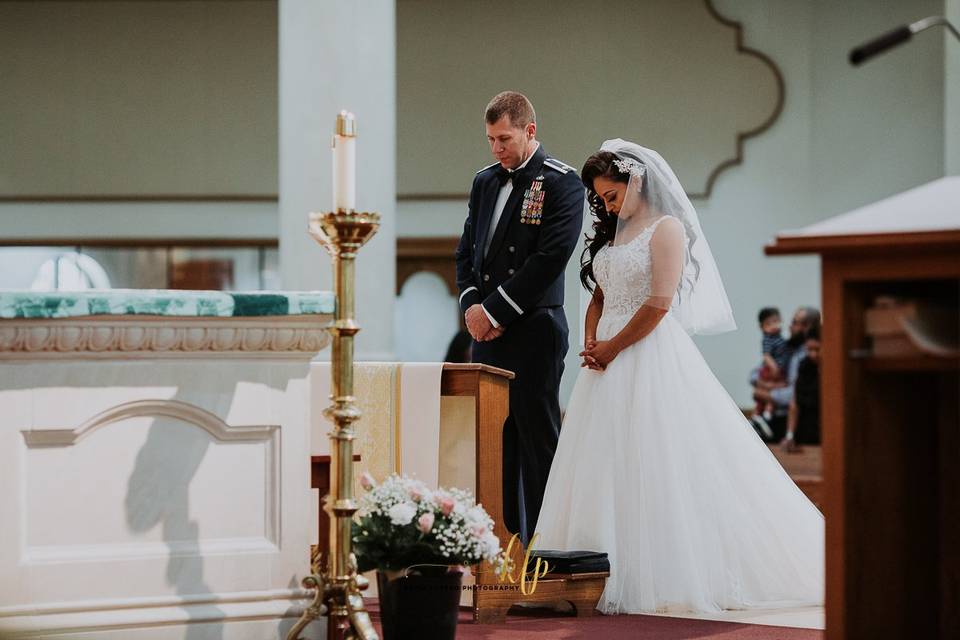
column 590, row 322
column 594, row 311
column 641, row 324
column 667, row 254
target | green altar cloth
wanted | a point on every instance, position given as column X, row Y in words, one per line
column 220, row 304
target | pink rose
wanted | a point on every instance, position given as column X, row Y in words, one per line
column 447, row 504
column 415, row 493
column 367, row 481
column 425, row 523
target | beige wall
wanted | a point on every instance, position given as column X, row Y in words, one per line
column 106, row 98
column 664, row 72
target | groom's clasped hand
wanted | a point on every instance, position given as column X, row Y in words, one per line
column 479, row 325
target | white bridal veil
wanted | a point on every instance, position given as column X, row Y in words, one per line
column 699, row 302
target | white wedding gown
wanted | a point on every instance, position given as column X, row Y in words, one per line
column 657, row 466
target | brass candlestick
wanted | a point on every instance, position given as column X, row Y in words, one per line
column 338, row 585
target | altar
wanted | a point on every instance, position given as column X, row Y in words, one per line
column 154, row 459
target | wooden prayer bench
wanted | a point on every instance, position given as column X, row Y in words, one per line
column 490, row 387
column 582, row 590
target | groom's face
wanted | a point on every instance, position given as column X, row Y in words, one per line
column 509, row 144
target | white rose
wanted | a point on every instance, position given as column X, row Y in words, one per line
column 401, row 514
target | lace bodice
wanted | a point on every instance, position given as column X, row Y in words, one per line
column 625, row 274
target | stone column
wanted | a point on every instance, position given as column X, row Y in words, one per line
column 335, row 55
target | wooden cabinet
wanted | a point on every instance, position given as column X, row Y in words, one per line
column 891, row 432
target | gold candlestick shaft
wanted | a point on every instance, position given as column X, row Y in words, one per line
column 339, row 586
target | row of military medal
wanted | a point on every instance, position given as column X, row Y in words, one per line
column 532, row 211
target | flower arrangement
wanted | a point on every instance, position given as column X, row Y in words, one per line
column 401, row 523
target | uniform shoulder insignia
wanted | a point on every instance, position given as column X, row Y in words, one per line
column 553, row 163
column 489, row 166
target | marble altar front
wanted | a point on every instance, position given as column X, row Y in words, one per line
column 154, row 459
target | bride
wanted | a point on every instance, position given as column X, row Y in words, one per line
column 656, row 464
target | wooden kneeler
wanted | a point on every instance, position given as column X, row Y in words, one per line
column 582, row 590
column 492, row 597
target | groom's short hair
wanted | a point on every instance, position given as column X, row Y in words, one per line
column 513, row 104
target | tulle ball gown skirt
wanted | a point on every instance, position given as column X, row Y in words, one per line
column 657, row 466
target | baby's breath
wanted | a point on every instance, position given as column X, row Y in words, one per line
column 387, row 537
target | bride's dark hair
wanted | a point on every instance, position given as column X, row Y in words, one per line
column 598, row 165
column 601, row 165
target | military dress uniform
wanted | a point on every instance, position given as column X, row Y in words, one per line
column 514, row 267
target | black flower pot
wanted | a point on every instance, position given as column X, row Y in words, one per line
column 424, row 603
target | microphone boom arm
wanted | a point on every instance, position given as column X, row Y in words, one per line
column 892, row 38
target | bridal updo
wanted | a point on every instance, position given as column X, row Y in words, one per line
column 600, row 164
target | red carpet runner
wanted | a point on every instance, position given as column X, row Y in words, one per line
column 530, row 624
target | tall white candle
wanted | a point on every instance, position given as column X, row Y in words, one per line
column 345, row 163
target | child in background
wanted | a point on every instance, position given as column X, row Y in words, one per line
column 775, row 356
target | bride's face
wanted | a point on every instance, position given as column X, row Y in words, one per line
column 611, row 192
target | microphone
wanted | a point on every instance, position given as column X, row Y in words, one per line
column 892, row 38
column 871, row 48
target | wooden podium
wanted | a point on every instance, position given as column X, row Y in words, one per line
column 891, row 440
column 492, row 598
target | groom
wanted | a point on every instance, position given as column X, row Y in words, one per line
column 523, row 223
